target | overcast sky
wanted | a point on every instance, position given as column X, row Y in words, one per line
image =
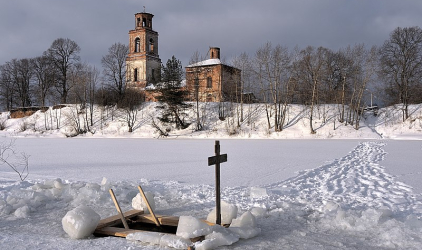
column 28, row 27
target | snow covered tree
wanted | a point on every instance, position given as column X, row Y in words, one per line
column 171, row 95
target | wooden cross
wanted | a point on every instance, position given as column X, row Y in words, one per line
column 216, row 160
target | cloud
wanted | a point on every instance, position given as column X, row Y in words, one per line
column 29, row 27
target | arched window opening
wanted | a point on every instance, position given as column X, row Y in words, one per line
column 137, row 44
column 144, row 22
column 209, row 82
column 135, row 75
column 151, row 45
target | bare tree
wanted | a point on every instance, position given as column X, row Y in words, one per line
column 114, row 68
column 309, row 70
column 272, row 69
column 17, row 161
column 64, row 53
column 19, row 73
column 44, row 72
column 243, row 63
column 131, row 103
column 6, row 88
column 401, row 65
column 196, row 57
column 366, row 62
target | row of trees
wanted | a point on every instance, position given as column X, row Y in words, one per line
column 59, row 76
column 276, row 75
column 311, row 76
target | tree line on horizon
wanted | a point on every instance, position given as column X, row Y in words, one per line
column 278, row 76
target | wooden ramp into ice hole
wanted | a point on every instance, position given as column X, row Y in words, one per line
column 139, row 222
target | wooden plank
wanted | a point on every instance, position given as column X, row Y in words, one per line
column 213, row 159
column 116, row 219
column 149, row 207
column 118, row 209
column 163, row 219
column 115, row 231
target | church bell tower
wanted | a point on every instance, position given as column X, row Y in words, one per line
column 143, row 62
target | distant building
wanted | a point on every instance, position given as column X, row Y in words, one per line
column 143, row 62
column 213, row 81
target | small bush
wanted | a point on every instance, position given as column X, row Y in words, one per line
column 3, row 124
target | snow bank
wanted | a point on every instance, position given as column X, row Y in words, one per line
column 80, row 222
column 160, row 239
column 387, row 124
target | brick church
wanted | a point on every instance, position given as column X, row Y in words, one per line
column 209, row 80
column 143, row 62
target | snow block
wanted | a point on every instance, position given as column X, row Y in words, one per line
column 153, row 238
column 245, row 226
column 80, row 222
column 257, row 192
column 139, row 204
column 217, row 239
column 22, row 212
column 245, row 220
column 191, row 227
column 228, row 213
column 259, row 212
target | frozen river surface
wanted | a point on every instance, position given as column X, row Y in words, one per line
column 250, row 162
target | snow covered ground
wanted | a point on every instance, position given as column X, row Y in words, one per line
column 360, row 193
column 321, row 194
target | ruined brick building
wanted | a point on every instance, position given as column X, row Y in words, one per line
column 212, row 81
column 209, row 80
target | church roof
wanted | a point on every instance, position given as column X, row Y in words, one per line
column 205, row 63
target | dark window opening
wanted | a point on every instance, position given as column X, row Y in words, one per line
column 153, row 75
column 151, row 45
column 138, row 21
column 137, row 44
column 135, row 75
column 209, row 82
column 144, row 22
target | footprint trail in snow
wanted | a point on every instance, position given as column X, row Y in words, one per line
column 356, row 180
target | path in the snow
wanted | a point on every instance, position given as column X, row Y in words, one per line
column 356, row 180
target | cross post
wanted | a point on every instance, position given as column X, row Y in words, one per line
column 216, row 160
